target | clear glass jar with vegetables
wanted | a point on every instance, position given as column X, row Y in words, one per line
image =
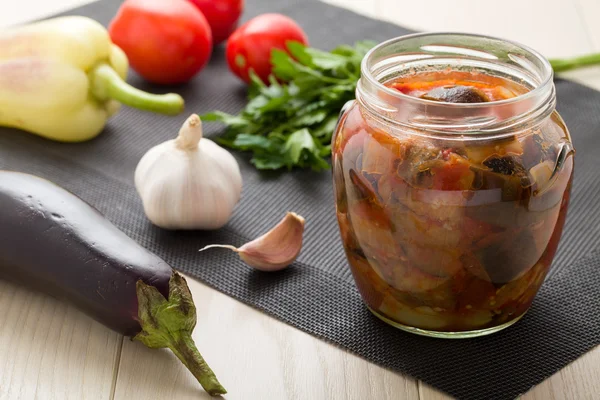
column 452, row 173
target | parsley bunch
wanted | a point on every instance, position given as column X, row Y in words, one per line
column 290, row 124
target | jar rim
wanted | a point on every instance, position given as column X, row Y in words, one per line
column 366, row 70
column 436, row 50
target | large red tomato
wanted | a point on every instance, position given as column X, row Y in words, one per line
column 222, row 16
column 167, row 42
column 250, row 46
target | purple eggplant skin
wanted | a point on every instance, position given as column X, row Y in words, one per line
column 53, row 241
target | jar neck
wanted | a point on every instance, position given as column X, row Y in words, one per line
column 412, row 54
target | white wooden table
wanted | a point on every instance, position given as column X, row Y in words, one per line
column 48, row 350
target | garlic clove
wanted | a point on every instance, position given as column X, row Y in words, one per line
column 274, row 250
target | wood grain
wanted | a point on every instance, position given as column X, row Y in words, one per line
column 255, row 357
column 49, row 350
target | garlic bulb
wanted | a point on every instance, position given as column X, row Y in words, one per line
column 189, row 182
column 274, row 250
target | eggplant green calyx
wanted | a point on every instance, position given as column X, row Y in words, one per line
column 106, row 84
column 169, row 324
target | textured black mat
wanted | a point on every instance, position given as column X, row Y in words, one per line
column 318, row 295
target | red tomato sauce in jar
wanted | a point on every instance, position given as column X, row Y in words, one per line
column 449, row 235
column 482, row 87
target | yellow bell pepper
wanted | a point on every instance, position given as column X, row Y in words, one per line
column 62, row 78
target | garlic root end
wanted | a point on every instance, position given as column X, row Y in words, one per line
column 223, row 246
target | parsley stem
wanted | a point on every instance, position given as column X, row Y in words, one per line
column 566, row 64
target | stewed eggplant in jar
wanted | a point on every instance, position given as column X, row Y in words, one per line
column 452, row 186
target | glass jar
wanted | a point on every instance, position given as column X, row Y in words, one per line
column 452, row 173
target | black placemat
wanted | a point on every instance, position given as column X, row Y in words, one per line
column 318, row 295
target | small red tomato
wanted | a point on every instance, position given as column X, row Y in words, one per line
column 222, row 16
column 167, row 42
column 250, row 46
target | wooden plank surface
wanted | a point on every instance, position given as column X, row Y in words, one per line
column 256, row 357
column 48, row 350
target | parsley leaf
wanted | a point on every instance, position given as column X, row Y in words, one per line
column 290, row 124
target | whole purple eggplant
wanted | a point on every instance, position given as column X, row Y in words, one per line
column 53, row 241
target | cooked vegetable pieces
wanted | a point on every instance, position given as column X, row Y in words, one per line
column 447, row 235
column 456, row 94
column 286, row 125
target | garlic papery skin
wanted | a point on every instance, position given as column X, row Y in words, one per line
column 189, row 182
column 274, row 250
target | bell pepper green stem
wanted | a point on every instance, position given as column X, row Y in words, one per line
column 107, row 84
column 566, row 64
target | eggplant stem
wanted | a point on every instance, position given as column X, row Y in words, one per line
column 168, row 323
column 185, row 349
column 105, row 84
